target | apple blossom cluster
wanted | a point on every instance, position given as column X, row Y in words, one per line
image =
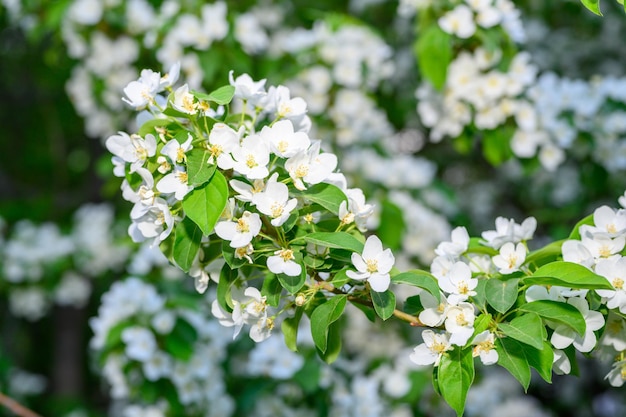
column 146, row 340
column 249, row 188
column 477, row 92
column 42, row 266
column 458, row 273
column 564, row 113
column 599, row 247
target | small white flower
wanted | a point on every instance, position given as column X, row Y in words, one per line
column 458, row 283
column 250, row 158
column 310, row 166
column 510, row 258
column 460, row 323
column 373, row 264
column 176, row 182
column 564, row 335
column 223, row 140
column 140, row 343
column 239, row 232
column 614, row 270
column 142, row 92
column 459, row 22
column 184, row 101
column 176, row 151
column 246, row 88
column 484, row 346
column 433, row 348
column 617, row 375
column 458, row 245
column 434, row 313
column 132, row 149
column 355, row 209
column 283, row 141
column 151, row 222
column 274, row 201
column 283, row 263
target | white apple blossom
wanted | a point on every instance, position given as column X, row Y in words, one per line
column 282, row 139
column 564, row 335
column 459, row 22
column 614, row 334
column 433, row 348
column 282, row 262
column 246, row 88
column 575, row 251
column 176, row 151
column 434, row 313
column 484, row 346
column 250, row 158
column 184, row 101
column 223, row 139
column 152, row 222
column 510, row 258
column 458, row 245
column 509, row 231
column 607, row 220
column 176, row 182
column 132, row 149
column 140, row 343
column 274, row 201
column 601, row 245
column 617, row 375
column 310, row 166
column 241, row 231
column 561, row 364
column 245, row 191
column 355, row 209
column 142, row 92
column 373, row 264
column 458, row 283
column 614, row 270
column 460, row 323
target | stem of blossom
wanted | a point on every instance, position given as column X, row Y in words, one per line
column 16, row 408
column 412, row 320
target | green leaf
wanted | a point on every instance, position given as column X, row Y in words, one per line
column 222, row 95
column 149, row 126
column 568, row 274
column 391, row 228
column 188, row 237
column 420, row 279
column 455, row 376
column 293, row 284
column 323, row 316
column 559, row 312
column 204, row 205
column 336, row 240
column 482, row 323
column 496, row 145
column 433, row 50
column 180, row 342
column 340, row 279
column 272, row 290
column 326, row 195
column 593, row 5
column 548, row 253
column 228, row 277
column 476, row 246
column 289, row 327
column 527, row 328
column 501, row 295
column 413, row 305
column 575, row 235
column 333, row 349
column 511, row 357
column 384, row 303
column 199, row 170
column 541, row 360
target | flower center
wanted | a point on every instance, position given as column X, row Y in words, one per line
column 251, row 162
column 188, row 103
column 277, row 210
column 180, row 155
column 242, row 226
column 460, row 320
column 372, row 265
column 282, row 146
column 462, row 287
column 438, row 347
column 286, row 254
column 618, row 283
column 182, row 177
column 604, row 251
column 302, row 171
column 216, row 150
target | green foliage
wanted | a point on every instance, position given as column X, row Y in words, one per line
column 186, row 243
column 501, row 295
column 336, row 240
column 204, row 205
column 321, row 320
column 222, row 95
column 527, row 329
column 326, row 195
column 199, row 170
column 420, row 279
column 384, row 303
column 433, row 50
column 568, row 274
column 455, row 377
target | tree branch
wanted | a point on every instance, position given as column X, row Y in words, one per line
column 16, row 407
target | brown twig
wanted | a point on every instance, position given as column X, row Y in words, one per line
column 16, row 408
